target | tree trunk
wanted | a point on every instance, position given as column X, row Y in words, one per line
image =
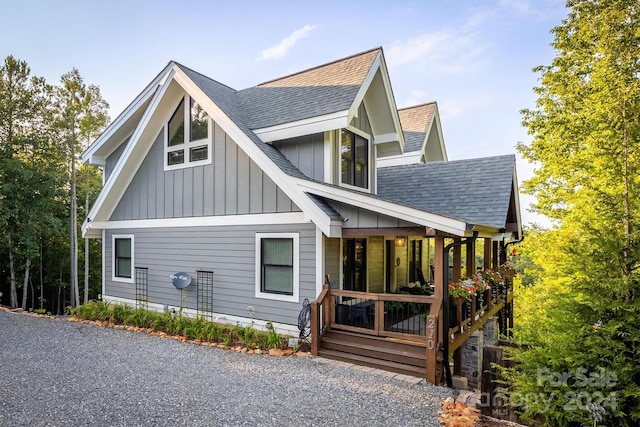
column 41, row 283
column 86, row 243
column 73, row 237
column 25, row 283
column 12, row 273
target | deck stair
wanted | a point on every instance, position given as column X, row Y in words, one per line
column 389, row 354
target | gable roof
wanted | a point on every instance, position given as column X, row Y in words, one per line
column 318, row 91
column 478, row 191
column 415, row 122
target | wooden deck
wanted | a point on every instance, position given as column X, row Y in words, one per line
column 397, row 332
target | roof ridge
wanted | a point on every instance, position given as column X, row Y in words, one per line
column 200, row 74
column 319, row 66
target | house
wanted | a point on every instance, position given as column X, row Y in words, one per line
column 278, row 187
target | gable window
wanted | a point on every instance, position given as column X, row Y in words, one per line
column 354, row 267
column 354, row 164
column 277, row 266
column 188, row 136
column 122, row 259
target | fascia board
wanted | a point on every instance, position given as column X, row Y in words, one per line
column 408, row 158
column 311, row 210
column 385, row 138
column 391, row 209
column 143, row 97
column 516, row 194
column 436, row 122
column 111, row 193
column 391, row 99
column 364, row 87
column 308, row 126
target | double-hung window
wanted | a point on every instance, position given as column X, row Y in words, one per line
column 188, row 136
column 122, row 265
column 277, row 266
column 354, row 165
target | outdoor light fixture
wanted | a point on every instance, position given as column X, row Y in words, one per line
column 400, row 241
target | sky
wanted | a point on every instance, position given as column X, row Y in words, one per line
column 473, row 57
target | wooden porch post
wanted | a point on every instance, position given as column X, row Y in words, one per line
column 471, row 258
column 494, row 258
column 433, row 359
column 487, row 253
column 457, row 261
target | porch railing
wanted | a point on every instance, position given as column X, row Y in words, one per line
column 399, row 316
column 469, row 316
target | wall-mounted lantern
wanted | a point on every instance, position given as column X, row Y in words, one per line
column 400, row 241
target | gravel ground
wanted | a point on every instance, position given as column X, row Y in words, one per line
column 59, row 373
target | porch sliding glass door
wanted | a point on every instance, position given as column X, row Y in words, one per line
column 354, row 268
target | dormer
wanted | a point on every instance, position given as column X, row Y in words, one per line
column 422, row 133
column 346, row 106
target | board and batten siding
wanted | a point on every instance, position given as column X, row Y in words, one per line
column 232, row 184
column 363, row 218
column 306, row 153
column 228, row 251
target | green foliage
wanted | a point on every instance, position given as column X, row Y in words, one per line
column 578, row 309
column 272, row 339
column 180, row 324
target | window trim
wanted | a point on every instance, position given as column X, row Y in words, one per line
column 187, row 145
column 296, row 267
column 113, row 258
column 364, row 135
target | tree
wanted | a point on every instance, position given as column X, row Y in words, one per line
column 82, row 114
column 585, row 143
column 29, row 168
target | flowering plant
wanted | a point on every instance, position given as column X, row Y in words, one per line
column 464, row 288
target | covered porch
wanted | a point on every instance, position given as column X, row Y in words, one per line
column 385, row 303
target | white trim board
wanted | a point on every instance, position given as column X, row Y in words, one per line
column 205, row 221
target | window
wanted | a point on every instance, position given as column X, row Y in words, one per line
column 277, row 266
column 191, row 144
column 122, row 258
column 354, row 267
column 355, row 159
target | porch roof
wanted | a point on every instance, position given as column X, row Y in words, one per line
column 477, row 191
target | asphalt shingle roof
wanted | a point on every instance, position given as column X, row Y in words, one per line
column 477, row 191
column 414, row 122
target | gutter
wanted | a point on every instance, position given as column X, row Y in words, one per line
column 445, row 302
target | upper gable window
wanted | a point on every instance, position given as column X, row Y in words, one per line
column 188, row 145
column 354, row 166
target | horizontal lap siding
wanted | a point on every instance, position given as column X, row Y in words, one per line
column 227, row 251
column 231, row 185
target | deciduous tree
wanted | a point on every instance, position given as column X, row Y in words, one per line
column 585, row 144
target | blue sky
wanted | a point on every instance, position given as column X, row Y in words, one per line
column 473, row 57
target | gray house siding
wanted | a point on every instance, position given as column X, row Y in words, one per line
column 362, row 218
column 113, row 159
column 306, row 153
column 228, row 251
column 231, row 185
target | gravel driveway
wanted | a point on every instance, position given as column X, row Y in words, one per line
column 59, row 373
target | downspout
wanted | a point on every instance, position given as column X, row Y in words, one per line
column 445, row 302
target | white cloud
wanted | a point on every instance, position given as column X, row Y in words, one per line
column 525, row 8
column 281, row 49
column 455, row 107
column 443, row 51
